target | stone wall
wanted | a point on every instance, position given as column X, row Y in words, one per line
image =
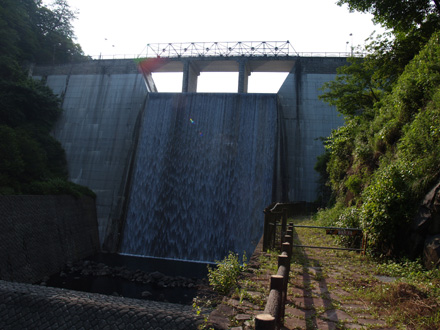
column 40, row 234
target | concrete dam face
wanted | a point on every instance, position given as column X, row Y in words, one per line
column 187, row 175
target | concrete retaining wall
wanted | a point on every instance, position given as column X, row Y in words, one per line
column 306, row 120
column 40, row 234
column 103, row 102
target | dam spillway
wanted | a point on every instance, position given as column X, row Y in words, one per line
column 204, row 168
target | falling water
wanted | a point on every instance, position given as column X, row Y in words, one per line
column 203, row 175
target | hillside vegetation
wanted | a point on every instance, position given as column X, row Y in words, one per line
column 32, row 161
column 386, row 157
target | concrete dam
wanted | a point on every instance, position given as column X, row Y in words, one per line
column 187, row 175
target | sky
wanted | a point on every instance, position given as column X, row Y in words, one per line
column 124, row 28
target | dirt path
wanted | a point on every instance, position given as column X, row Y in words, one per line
column 323, row 290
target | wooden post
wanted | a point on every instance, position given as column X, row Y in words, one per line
column 265, row 322
column 273, row 305
column 284, row 219
column 283, row 270
column 274, row 227
column 364, row 244
column 266, row 238
column 287, row 247
column 284, row 222
column 288, row 239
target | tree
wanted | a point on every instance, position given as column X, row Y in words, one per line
column 56, row 35
column 31, row 161
column 400, row 16
column 361, row 84
column 354, row 90
column 32, row 32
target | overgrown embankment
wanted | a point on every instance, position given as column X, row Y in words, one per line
column 387, row 157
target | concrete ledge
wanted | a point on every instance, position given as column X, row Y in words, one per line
column 40, row 234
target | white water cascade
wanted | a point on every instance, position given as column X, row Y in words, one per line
column 203, row 174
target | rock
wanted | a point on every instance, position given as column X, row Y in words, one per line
column 242, row 317
column 146, row 294
column 157, row 276
column 220, row 317
column 421, row 221
column 431, row 252
column 426, row 223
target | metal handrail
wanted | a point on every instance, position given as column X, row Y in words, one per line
column 298, row 54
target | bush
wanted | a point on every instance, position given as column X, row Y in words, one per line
column 389, row 203
column 58, row 187
column 225, row 276
column 329, row 217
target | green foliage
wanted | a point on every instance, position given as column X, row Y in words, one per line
column 404, row 268
column 384, row 159
column 34, row 33
column 354, row 91
column 58, row 187
column 27, row 102
column 324, row 191
column 11, row 162
column 397, row 15
column 420, row 145
column 330, row 216
column 388, row 204
column 32, row 161
column 224, row 277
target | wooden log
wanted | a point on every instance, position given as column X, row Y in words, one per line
column 265, row 322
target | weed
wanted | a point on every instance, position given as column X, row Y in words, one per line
column 405, row 303
column 199, row 305
column 225, row 276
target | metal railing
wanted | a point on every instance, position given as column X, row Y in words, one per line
column 340, row 231
column 297, row 54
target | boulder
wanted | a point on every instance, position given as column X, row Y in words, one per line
column 425, row 224
column 431, row 252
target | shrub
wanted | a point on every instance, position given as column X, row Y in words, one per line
column 225, row 276
column 388, row 205
column 58, row 187
column 329, row 216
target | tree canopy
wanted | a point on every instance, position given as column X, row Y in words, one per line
column 400, row 16
column 35, row 33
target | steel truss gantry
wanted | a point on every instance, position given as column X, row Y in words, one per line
column 221, row 49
